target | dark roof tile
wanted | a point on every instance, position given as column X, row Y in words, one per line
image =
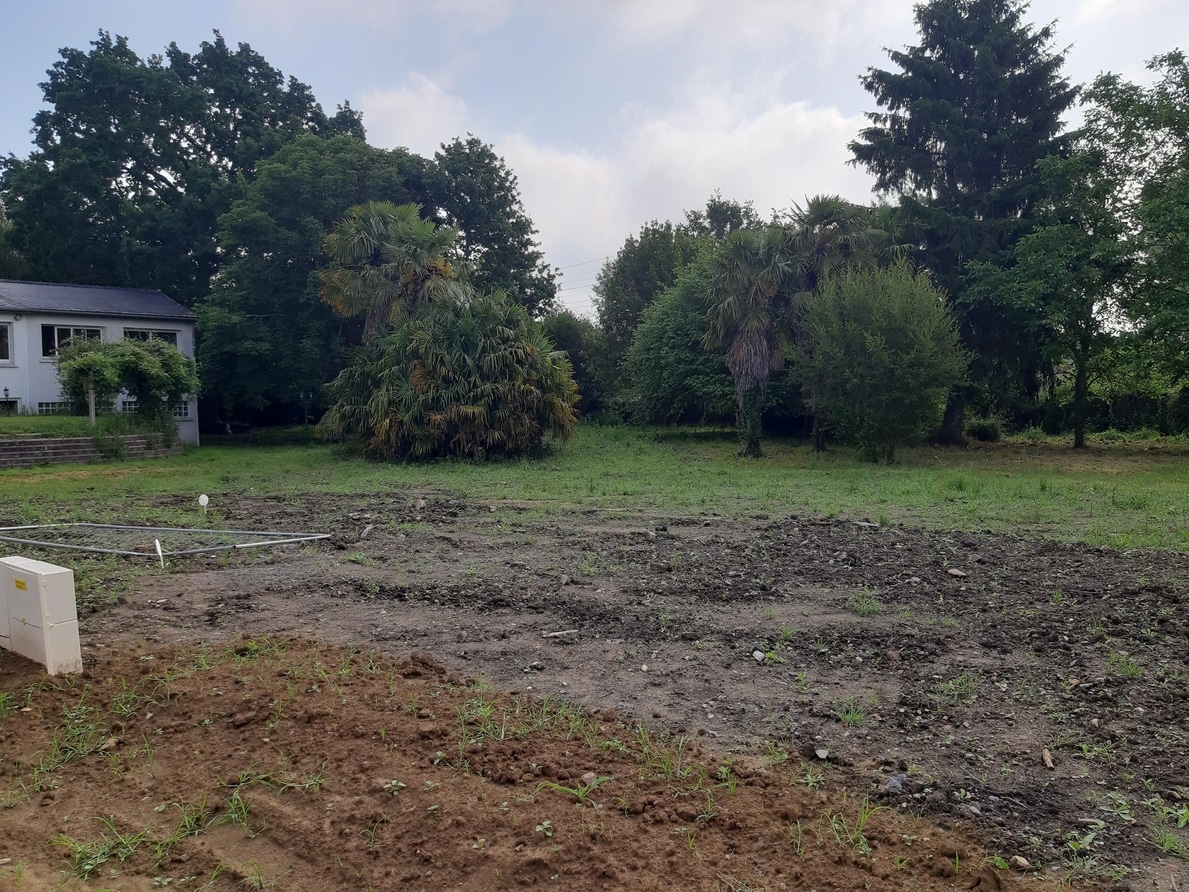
column 88, row 300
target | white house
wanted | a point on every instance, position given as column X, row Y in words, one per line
column 36, row 318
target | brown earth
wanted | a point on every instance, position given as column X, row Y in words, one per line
column 719, row 659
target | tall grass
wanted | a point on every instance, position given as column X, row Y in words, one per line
column 1106, row 495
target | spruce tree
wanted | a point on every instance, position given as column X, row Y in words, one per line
column 965, row 118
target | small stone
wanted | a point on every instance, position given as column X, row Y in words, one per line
column 589, row 778
column 893, row 656
column 822, row 753
column 914, row 580
column 1019, row 862
column 954, row 571
column 758, row 656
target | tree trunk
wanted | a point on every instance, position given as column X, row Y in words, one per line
column 950, row 433
column 750, row 412
column 818, row 436
column 1080, row 387
column 91, row 398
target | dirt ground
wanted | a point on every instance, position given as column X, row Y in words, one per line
column 755, row 688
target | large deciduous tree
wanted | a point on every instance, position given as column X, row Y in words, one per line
column 650, row 263
column 266, row 335
column 672, row 375
column 967, row 114
column 582, row 342
column 137, row 158
column 12, row 264
column 643, row 267
column 1143, row 133
column 1068, row 274
column 480, row 197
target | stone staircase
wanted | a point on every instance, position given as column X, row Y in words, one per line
column 27, row 452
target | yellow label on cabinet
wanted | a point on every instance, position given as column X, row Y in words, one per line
column 20, row 583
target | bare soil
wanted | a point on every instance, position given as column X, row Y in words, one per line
column 998, row 696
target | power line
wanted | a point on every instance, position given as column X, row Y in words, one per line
column 584, row 263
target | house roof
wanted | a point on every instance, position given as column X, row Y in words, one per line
column 88, row 300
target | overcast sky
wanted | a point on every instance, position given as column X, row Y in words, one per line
column 610, row 112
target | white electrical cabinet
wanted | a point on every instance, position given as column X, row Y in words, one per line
column 38, row 615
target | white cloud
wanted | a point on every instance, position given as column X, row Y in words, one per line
column 472, row 16
column 419, row 115
column 772, row 153
column 575, row 198
column 1096, row 12
column 806, row 27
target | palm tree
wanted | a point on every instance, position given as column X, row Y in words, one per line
column 829, row 235
column 386, row 261
column 762, row 279
column 748, row 292
column 473, row 379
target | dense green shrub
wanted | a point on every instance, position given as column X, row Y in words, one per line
column 986, row 430
column 585, row 346
column 884, row 357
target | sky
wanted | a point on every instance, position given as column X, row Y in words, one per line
column 611, row 113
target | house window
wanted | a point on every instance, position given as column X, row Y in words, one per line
column 181, row 410
column 59, row 407
column 56, row 337
column 146, row 334
column 6, row 357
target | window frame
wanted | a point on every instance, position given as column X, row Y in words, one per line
column 7, row 332
column 170, row 336
column 57, row 342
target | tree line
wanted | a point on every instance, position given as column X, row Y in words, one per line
column 214, row 178
column 1059, row 255
column 1012, row 272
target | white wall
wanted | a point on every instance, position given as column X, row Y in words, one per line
column 32, row 378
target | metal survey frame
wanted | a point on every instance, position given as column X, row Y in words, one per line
column 284, row 538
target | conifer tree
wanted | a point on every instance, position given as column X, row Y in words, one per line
column 965, row 118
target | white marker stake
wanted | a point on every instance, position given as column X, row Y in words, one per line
column 160, row 554
column 203, row 501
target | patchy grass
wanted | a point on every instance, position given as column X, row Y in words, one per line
column 1103, row 495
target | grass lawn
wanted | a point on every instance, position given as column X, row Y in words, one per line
column 1113, row 493
column 45, row 426
column 1120, row 494
column 108, row 425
